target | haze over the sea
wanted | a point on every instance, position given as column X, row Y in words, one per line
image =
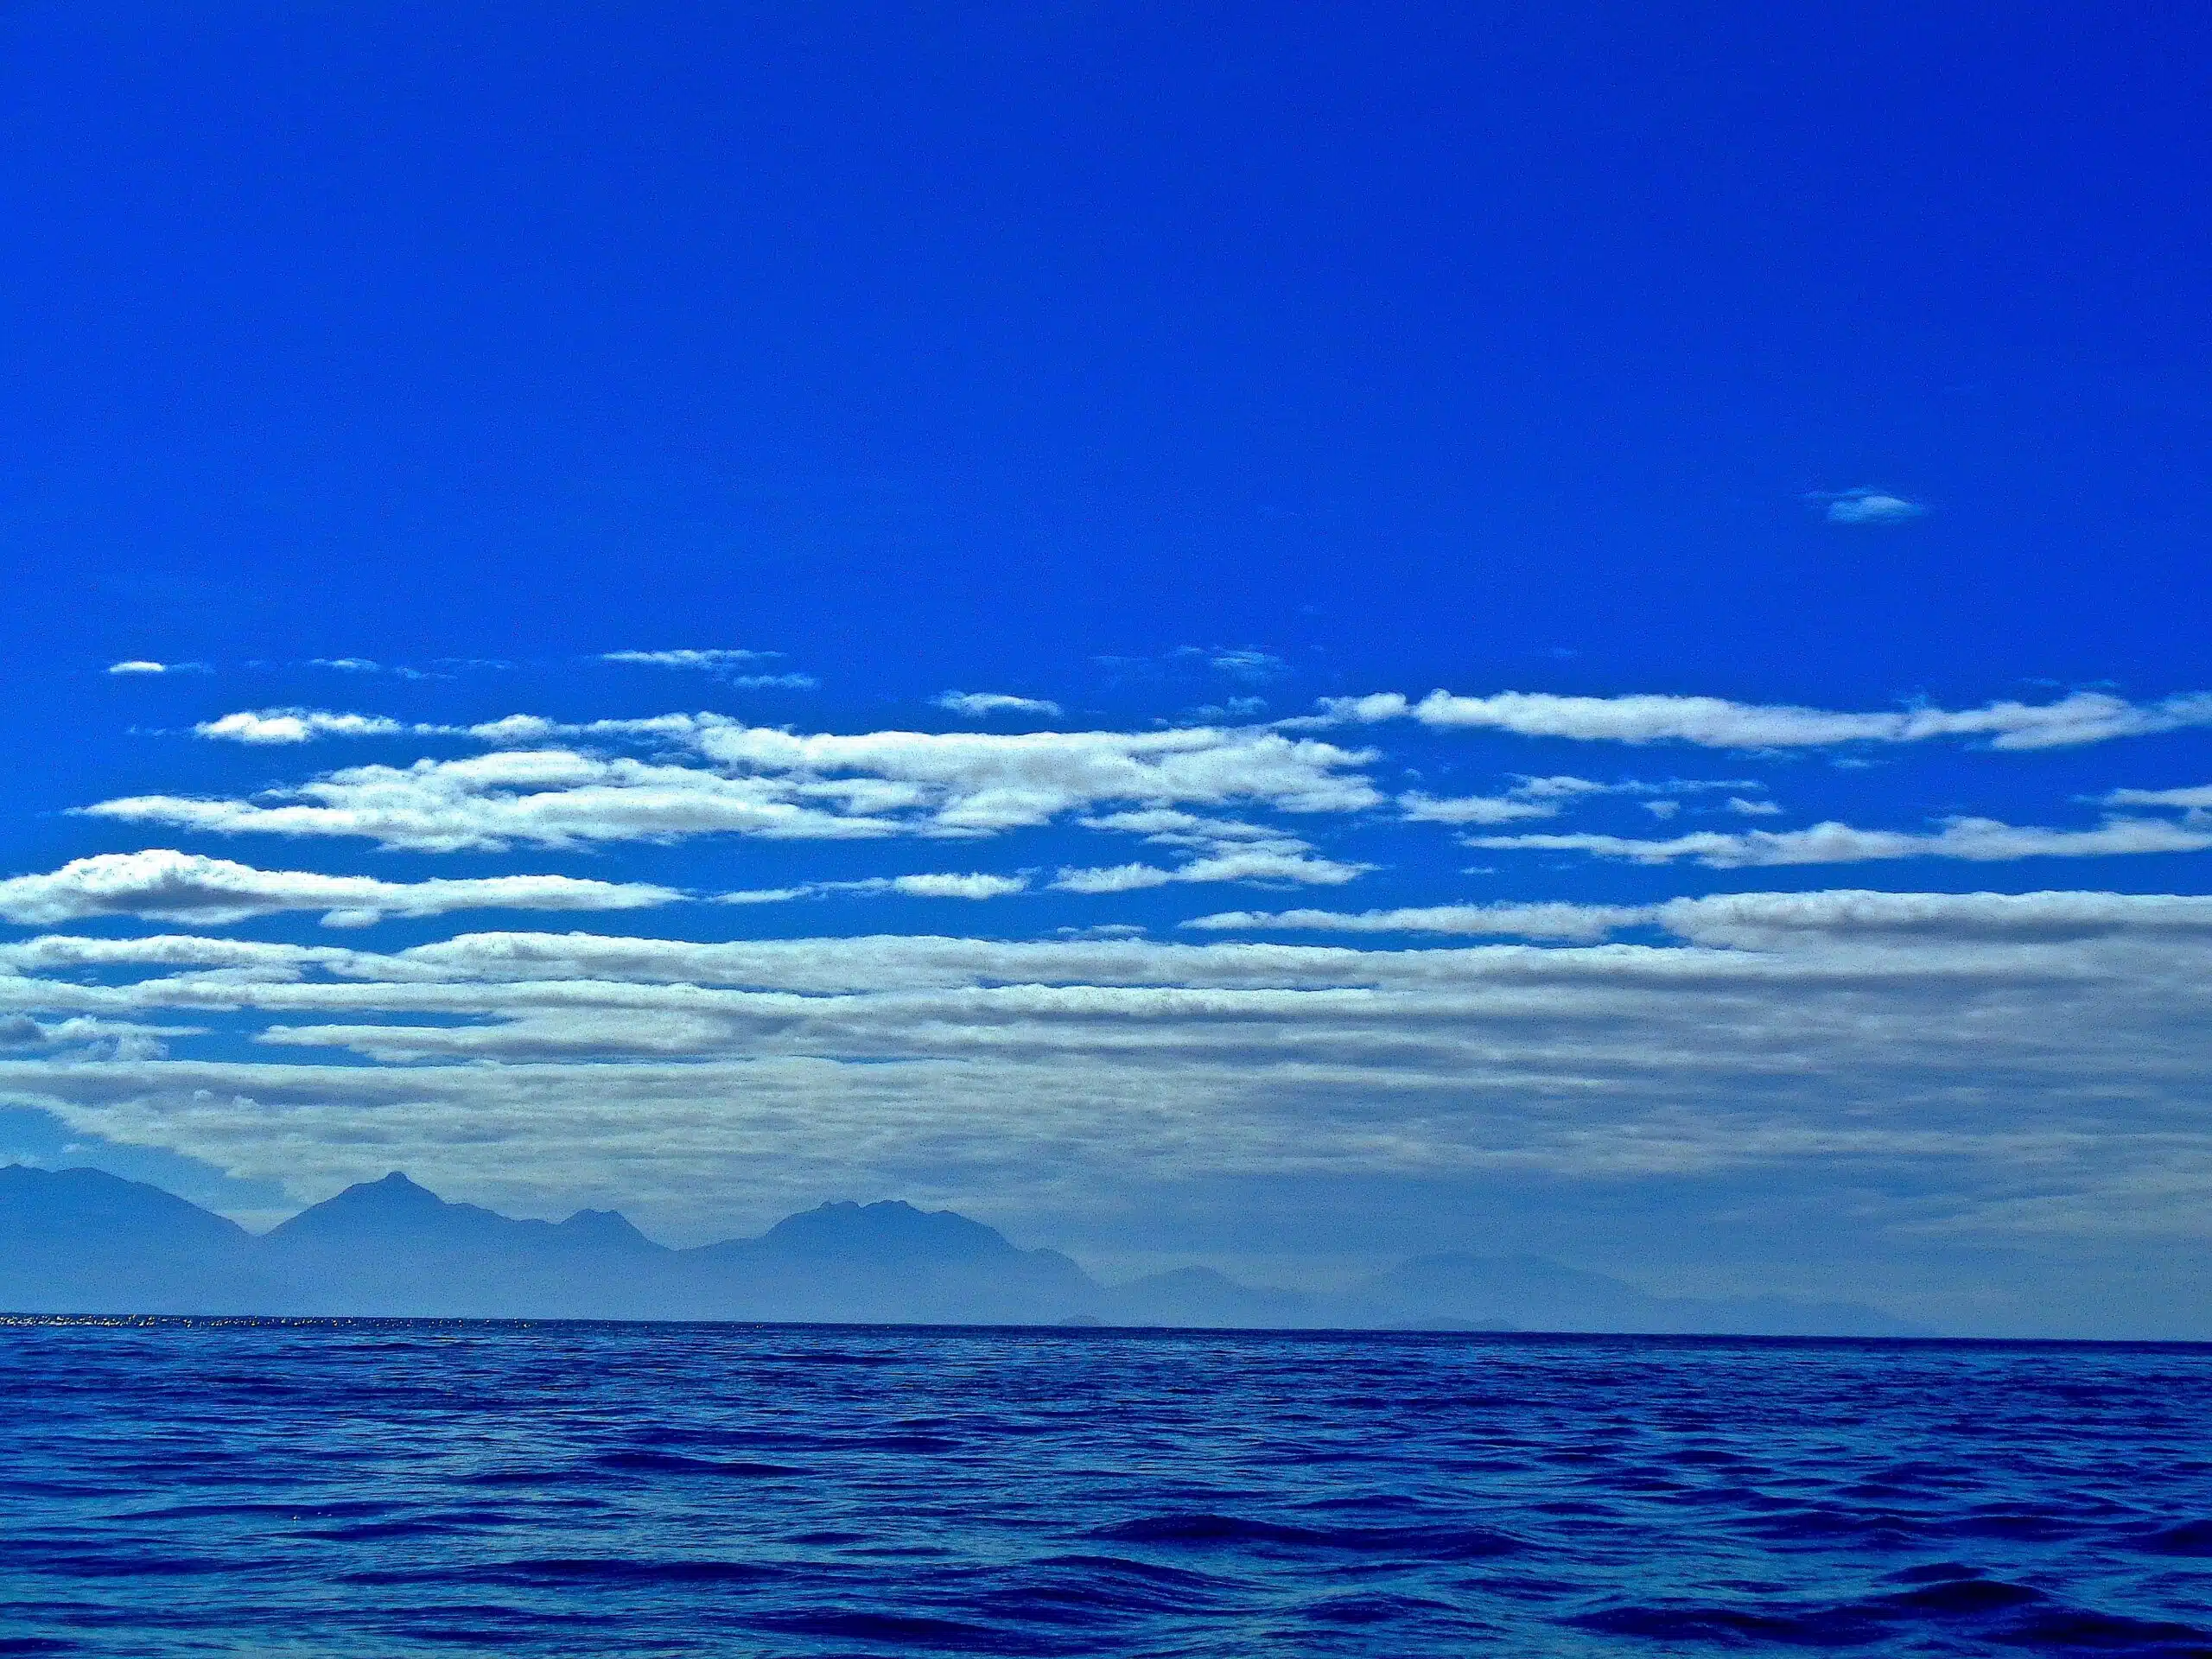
column 1281, row 640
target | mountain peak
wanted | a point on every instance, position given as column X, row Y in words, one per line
column 844, row 1228
column 378, row 1208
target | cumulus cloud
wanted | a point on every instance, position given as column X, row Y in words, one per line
column 976, row 705
column 1981, row 840
column 138, row 666
column 1716, row 722
column 348, row 665
column 165, row 884
column 766, row 781
column 296, row 726
column 1865, row 505
column 545, row 798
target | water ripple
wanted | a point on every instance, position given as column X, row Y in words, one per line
column 358, row 1489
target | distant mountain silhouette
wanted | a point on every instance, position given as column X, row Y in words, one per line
column 82, row 1242
column 893, row 1262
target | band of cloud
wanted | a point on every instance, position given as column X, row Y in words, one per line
column 1717, row 722
column 164, row 885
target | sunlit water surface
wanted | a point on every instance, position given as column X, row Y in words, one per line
column 359, row 1488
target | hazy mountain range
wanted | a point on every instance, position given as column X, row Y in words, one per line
column 79, row 1240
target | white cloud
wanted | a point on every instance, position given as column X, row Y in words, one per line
column 764, row 781
column 1547, row 798
column 346, row 664
column 1230, row 711
column 1865, row 507
column 138, row 666
column 1760, row 919
column 1245, row 663
column 1960, row 1048
column 2196, row 797
column 1498, row 921
column 1750, row 808
column 165, row 884
column 1264, row 866
column 1715, row 722
column 1983, row 840
column 296, row 726
column 1769, row 920
column 547, row 797
column 772, row 783
column 1509, row 808
column 926, row 886
column 976, row 705
column 716, row 661
column 977, row 885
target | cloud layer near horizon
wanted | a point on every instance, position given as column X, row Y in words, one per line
column 1874, row 1030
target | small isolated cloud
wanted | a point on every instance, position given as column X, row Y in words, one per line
column 1547, row 798
column 716, row 661
column 346, row 664
column 927, row 885
column 1223, row 849
column 296, row 726
column 1865, row 507
column 164, row 885
column 1244, row 663
column 1228, row 711
column 976, row 705
column 1749, row 808
column 147, row 665
column 958, row 887
column 1265, row 865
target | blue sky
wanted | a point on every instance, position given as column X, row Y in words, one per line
column 1046, row 459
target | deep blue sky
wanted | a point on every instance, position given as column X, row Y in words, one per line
column 377, row 329
column 1067, row 351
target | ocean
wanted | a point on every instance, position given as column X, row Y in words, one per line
column 393, row 1487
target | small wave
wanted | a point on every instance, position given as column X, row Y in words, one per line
column 611, row 1570
column 2191, row 1538
column 1822, row 1628
column 1371, row 1610
column 902, row 1630
column 672, row 1463
column 2072, row 1630
column 1429, row 1543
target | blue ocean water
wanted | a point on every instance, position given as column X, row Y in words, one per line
column 406, row 1488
